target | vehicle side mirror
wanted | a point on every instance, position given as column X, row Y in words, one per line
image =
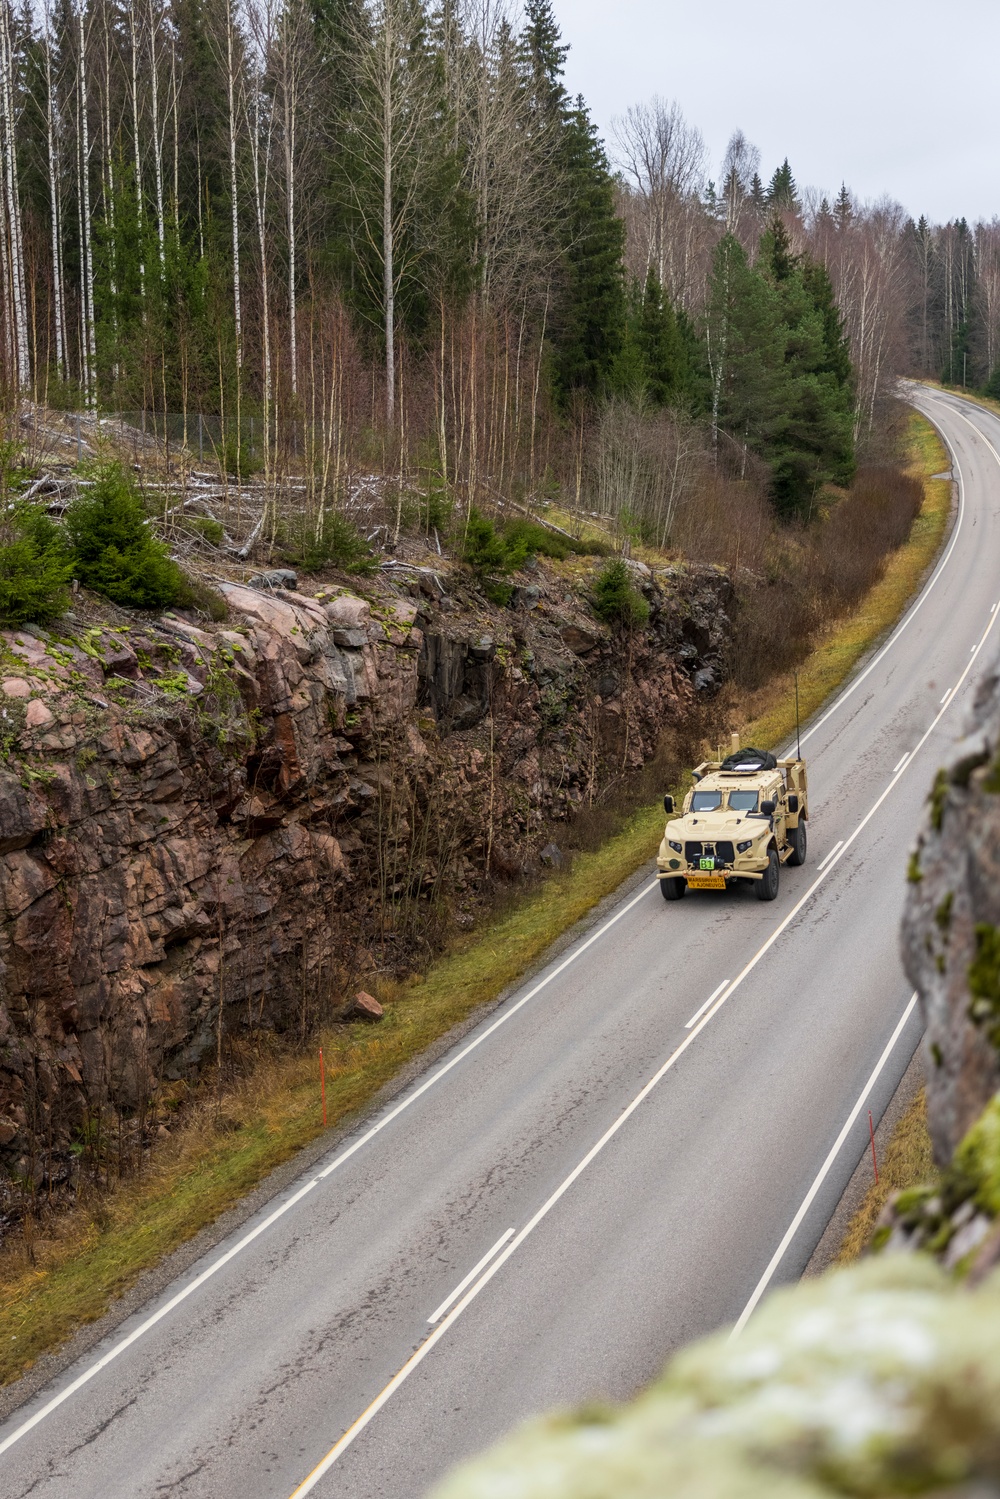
column 767, row 809
column 668, row 805
column 793, row 803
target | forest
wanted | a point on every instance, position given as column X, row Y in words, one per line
column 339, row 236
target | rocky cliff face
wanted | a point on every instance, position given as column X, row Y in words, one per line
column 951, row 932
column 209, row 830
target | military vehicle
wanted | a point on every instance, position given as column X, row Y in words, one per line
column 743, row 818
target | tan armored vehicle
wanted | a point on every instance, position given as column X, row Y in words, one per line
column 743, row 818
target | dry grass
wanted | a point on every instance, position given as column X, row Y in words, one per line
column 223, row 1150
column 770, row 712
column 908, row 1161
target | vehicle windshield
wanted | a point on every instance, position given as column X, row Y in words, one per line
column 706, row 801
column 743, row 801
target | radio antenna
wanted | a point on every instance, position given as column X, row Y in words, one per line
column 798, row 738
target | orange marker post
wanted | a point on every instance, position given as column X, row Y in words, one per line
column 871, row 1131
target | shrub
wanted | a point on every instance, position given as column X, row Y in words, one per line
column 35, row 569
column 238, row 460
column 337, row 543
column 201, row 596
column 616, row 599
column 534, row 539
column 114, row 551
column 491, row 556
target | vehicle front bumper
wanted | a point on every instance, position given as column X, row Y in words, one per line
column 689, row 872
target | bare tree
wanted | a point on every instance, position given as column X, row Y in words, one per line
column 393, row 142
column 291, row 64
column 739, row 168
column 12, row 202
column 987, row 298
column 52, row 132
column 89, row 336
column 662, row 158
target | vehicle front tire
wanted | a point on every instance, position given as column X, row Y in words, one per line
column 797, row 838
column 767, row 888
column 673, row 889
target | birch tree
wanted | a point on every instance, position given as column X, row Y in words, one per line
column 392, row 144
column 52, row 135
column 12, row 203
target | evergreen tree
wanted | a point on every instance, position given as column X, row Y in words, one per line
column 589, row 320
column 843, row 208
column 745, row 347
column 543, row 56
column 781, row 193
column 811, row 441
column 782, row 378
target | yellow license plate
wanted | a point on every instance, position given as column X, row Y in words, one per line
column 706, row 882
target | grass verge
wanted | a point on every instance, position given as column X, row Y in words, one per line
column 908, row 1161
column 225, row 1147
column 771, row 712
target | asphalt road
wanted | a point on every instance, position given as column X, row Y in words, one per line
column 645, row 1176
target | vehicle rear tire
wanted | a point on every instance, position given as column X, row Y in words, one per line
column 673, row 889
column 767, row 888
column 797, row 838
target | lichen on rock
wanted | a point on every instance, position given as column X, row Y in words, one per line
column 879, row 1380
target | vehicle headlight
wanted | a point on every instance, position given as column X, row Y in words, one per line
column 741, row 848
column 678, row 848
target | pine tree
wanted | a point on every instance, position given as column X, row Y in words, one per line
column 589, row 320
column 811, row 441
column 543, row 57
column 781, row 193
column 843, row 208
column 663, row 346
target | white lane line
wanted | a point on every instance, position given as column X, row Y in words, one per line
column 422, row 1351
column 823, row 862
column 456, row 1293
column 824, row 1171
column 996, row 606
column 946, row 696
column 279, row 1212
column 700, row 1012
column 899, row 765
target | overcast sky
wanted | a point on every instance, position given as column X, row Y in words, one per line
column 896, row 97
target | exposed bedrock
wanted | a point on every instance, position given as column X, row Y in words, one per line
column 208, row 830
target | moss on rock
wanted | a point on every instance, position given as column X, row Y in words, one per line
column 879, row 1380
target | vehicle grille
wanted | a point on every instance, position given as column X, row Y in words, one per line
column 726, row 852
column 692, row 852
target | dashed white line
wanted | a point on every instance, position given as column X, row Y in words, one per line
column 946, row 696
column 700, row 1012
column 339, row 1447
column 117, row 1349
column 901, row 763
column 456, row 1293
column 823, row 862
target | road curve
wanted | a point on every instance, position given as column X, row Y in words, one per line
column 638, row 1179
